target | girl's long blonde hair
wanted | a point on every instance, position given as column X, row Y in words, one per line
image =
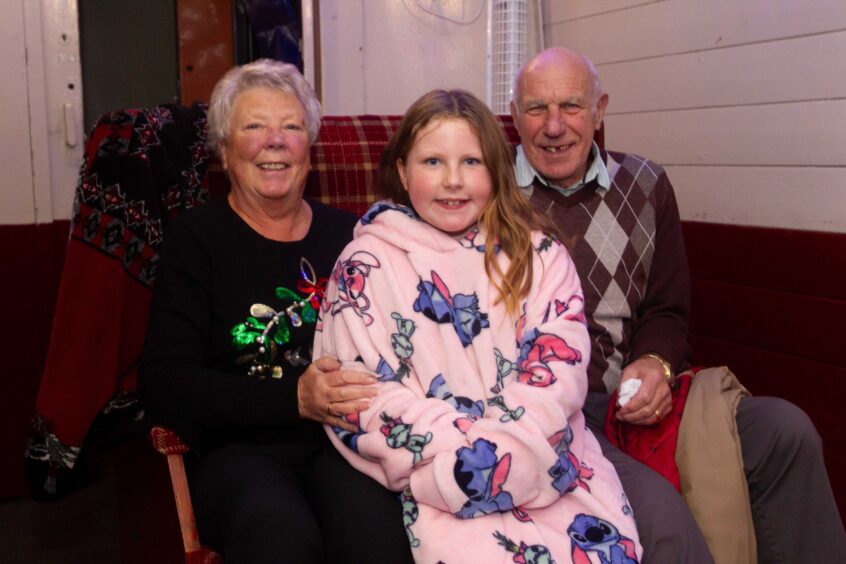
column 507, row 219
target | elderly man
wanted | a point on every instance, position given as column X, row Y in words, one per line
column 619, row 218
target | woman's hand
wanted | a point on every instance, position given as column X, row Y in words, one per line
column 653, row 401
column 325, row 393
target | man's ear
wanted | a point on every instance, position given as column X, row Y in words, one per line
column 601, row 104
column 401, row 171
column 513, row 108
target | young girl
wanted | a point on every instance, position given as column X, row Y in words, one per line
column 471, row 319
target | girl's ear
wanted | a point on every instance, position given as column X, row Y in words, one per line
column 401, row 171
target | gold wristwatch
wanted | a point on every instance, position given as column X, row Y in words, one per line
column 668, row 371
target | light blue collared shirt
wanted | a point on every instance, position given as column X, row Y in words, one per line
column 526, row 173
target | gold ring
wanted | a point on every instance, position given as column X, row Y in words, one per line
column 658, row 413
column 329, row 408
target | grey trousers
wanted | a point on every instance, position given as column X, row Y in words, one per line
column 796, row 518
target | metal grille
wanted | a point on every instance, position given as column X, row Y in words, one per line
column 508, row 49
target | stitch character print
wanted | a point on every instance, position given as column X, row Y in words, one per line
column 568, row 472
column 462, row 310
column 523, row 553
column 399, row 435
column 351, row 276
column 592, row 535
column 481, row 476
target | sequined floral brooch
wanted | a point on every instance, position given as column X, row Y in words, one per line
column 263, row 335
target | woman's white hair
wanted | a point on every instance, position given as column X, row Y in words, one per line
column 269, row 74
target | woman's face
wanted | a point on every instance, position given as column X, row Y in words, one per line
column 267, row 150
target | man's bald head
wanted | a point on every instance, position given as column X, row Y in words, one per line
column 558, row 56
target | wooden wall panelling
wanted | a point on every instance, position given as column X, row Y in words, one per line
column 727, row 97
column 780, row 321
column 806, row 383
column 32, row 258
column 808, row 133
column 373, row 68
column 728, row 77
column 654, row 29
column 344, row 91
column 803, row 262
column 557, row 11
column 763, row 196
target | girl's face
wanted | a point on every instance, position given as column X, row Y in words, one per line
column 445, row 176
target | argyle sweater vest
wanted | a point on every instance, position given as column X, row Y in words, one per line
column 612, row 238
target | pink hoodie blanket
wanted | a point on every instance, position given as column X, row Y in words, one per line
column 478, row 420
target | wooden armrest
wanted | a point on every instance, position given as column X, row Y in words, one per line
column 168, row 443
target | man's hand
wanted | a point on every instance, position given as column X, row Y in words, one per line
column 325, row 393
column 652, row 402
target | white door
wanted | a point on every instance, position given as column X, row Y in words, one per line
column 40, row 110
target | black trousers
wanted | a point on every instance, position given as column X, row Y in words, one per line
column 294, row 503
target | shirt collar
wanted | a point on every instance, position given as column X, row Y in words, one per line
column 597, row 170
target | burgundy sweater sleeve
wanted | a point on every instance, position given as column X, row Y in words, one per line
column 661, row 322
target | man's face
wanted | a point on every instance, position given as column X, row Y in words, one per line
column 557, row 113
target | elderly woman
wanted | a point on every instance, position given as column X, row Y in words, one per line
column 227, row 355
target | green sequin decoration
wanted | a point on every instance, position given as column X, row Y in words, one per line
column 309, row 313
column 285, row 294
column 245, row 334
column 282, row 334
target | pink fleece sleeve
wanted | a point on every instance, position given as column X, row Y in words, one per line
column 548, row 384
column 550, row 379
column 388, row 447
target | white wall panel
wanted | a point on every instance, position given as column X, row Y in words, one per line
column 381, row 55
column 16, row 187
column 420, row 52
column 797, row 134
column 678, row 26
column 39, row 56
column 795, row 198
column 342, row 56
column 743, row 100
column 60, row 113
column 749, row 74
column 558, row 11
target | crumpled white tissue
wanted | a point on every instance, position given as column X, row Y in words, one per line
column 627, row 390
